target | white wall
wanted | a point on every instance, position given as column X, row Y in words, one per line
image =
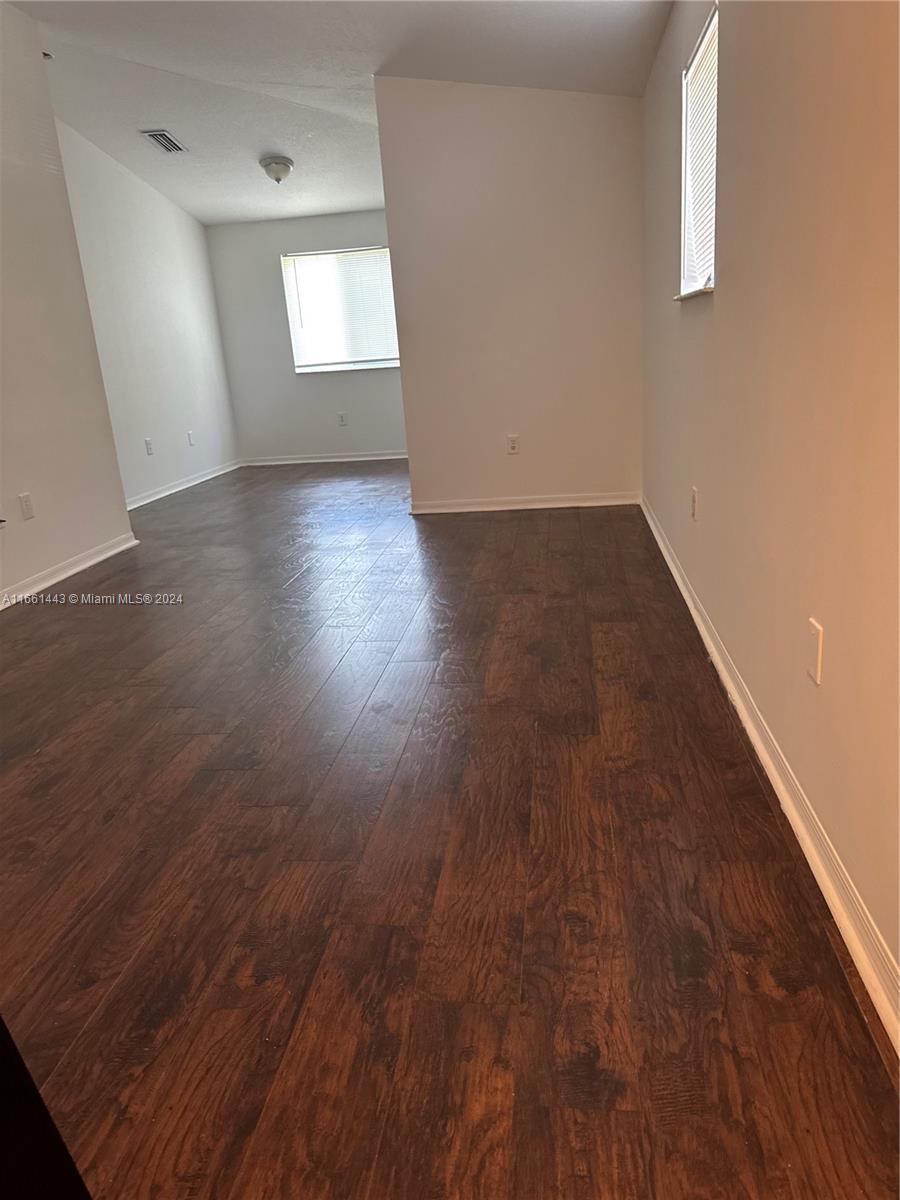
column 515, row 230
column 777, row 396
column 149, row 284
column 57, row 442
column 281, row 414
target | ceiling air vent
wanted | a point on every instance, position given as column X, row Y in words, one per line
column 164, row 140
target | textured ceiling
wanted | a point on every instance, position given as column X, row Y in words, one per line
column 236, row 80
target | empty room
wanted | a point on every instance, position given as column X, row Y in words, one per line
column 449, row 600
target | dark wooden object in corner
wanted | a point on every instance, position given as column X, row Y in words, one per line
column 34, row 1156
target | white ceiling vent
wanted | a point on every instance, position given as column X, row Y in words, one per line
column 164, row 140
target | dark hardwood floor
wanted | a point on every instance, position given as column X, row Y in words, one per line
column 413, row 860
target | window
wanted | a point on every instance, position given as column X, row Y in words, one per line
column 698, row 172
column 341, row 310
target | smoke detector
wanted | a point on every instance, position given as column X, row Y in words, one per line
column 277, row 167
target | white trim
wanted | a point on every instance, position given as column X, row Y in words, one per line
column 381, row 364
column 700, row 291
column 180, row 484
column 876, row 964
column 287, row 459
column 508, row 503
column 80, row 562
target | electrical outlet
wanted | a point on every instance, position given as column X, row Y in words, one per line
column 695, row 504
column 148, row 445
column 815, row 650
column 342, row 418
column 191, row 441
column 26, row 505
column 512, row 443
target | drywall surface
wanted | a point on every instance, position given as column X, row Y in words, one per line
column 282, row 415
column 777, row 396
column 150, row 289
column 514, row 218
column 57, row 443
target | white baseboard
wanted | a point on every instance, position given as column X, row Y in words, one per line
column 180, row 484
column 80, row 562
column 510, row 503
column 870, row 952
column 286, row 460
column 192, row 480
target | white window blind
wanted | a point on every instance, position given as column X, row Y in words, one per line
column 698, row 202
column 341, row 309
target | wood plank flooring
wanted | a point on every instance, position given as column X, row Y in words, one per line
column 413, row 860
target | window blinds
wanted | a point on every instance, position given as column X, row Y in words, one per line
column 698, row 226
column 341, row 309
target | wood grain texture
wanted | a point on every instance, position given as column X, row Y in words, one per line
column 68, row 983
column 690, row 1075
column 413, row 860
column 401, row 865
column 75, row 873
column 337, row 1072
column 340, row 817
column 580, row 1155
column 575, row 972
column 312, row 723
column 448, row 1130
column 473, row 941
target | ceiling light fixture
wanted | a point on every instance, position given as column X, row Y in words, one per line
column 277, row 167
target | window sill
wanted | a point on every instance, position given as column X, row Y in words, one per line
column 703, row 291
column 361, row 366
